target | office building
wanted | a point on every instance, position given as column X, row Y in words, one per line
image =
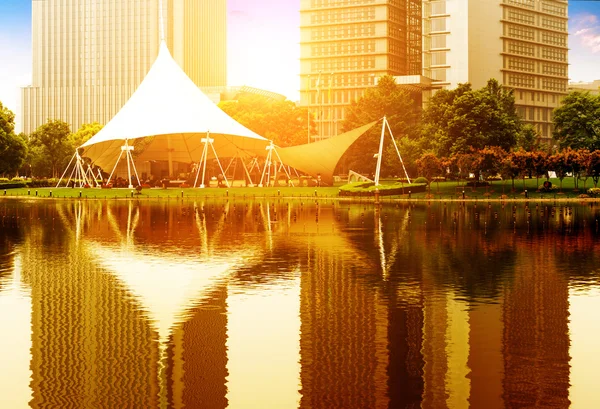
column 89, row 57
column 522, row 43
column 346, row 45
column 591, row 87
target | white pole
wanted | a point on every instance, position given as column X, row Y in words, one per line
column 398, row 151
column 65, row 172
column 204, row 160
column 378, row 169
column 247, row 173
column 134, row 168
column 267, row 164
column 289, row 176
column 219, row 162
column 115, row 168
column 128, row 165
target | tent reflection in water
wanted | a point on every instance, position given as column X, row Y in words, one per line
column 166, row 119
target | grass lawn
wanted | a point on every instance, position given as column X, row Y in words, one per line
column 447, row 191
column 236, row 192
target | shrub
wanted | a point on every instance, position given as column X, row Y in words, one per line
column 548, row 187
column 12, row 185
column 594, row 192
column 368, row 189
column 421, row 179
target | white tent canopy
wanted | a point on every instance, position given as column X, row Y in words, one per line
column 166, row 119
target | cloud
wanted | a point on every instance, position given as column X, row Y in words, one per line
column 586, row 31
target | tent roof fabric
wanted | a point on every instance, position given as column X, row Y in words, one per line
column 167, row 117
column 176, row 114
column 321, row 158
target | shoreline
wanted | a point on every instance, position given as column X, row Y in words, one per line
column 181, row 196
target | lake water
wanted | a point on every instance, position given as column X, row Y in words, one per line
column 274, row 304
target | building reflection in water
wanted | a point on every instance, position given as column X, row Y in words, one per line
column 271, row 304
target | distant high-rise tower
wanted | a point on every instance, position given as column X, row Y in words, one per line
column 521, row 43
column 90, row 56
column 347, row 45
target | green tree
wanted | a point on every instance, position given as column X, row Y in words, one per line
column 13, row 148
column 577, row 121
column 528, row 138
column 456, row 121
column 84, row 133
column 280, row 121
column 386, row 99
column 51, row 141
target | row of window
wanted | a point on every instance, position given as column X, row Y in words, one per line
column 554, row 8
column 553, row 84
column 334, row 97
column 343, row 15
column 554, row 23
column 523, row 3
column 521, row 80
column 520, row 32
column 344, row 64
column 345, row 31
column 345, row 48
column 529, row 50
column 520, row 16
column 338, row 3
column 546, row 6
column 529, row 81
column 524, row 97
column 337, row 80
column 524, row 64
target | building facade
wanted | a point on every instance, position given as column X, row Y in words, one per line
column 591, row 87
column 522, row 43
column 90, row 56
column 346, row 45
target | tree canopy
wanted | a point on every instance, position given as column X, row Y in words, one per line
column 280, row 121
column 52, row 143
column 461, row 119
column 386, row 99
column 84, row 133
column 13, row 148
column 577, row 121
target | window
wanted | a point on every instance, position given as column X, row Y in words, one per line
column 520, row 32
column 438, row 58
column 521, row 80
column 438, row 41
column 521, row 64
column 517, row 47
column 438, row 24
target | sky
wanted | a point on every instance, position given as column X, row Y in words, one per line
column 263, row 45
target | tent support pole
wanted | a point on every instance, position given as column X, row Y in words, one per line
column 219, row 162
column 267, row 165
column 130, row 162
column 397, row 150
column 66, row 169
column 115, row 167
column 130, row 158
column 289, row 176
column 380, row 154
column 247, row 173
column 202, row 163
